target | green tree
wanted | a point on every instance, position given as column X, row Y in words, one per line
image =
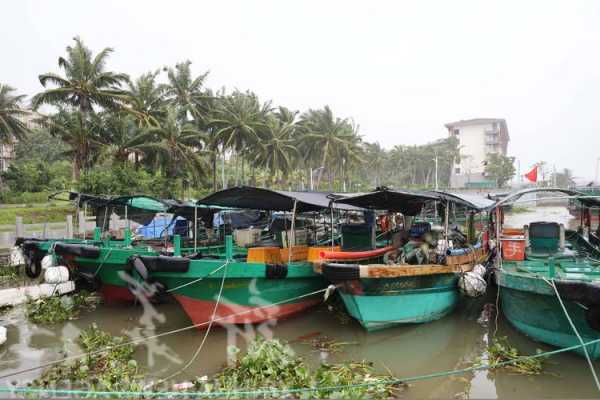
column 329, row 139
column 86, row 82
column 12, row 113
column 236, row 122
column 186, row 93
column 500, row 168
column 40, row 145
column 146, row 99
column 276, row 150
column 120, row 137
column 175, row 148
column 80, row 132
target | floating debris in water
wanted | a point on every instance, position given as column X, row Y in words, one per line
column 327, row 344
column 57, row 309
column 501, row 351
column 270, row 365
column 112, row 370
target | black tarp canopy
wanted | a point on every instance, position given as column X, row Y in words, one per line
column 409, row 202
column 586, row 200
column 274, row 200
column 471, row 201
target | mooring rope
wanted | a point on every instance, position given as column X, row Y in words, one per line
column 199, row 349
column 151, row 337
column 199, row 279
column 273, row 392
column 587, row 356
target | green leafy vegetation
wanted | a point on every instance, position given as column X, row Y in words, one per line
column 56, row 309
column 500, row 168
column 9, row 275
column 112, row 370
column 273, row 365
column 36, row 214
column 501, row 351
column 166, row 134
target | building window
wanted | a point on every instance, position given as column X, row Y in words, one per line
column 456, row 131
column 457, row 170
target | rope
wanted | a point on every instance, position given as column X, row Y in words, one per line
column 587, row 356
column 262, row 392
column 147, row 338
column 199, row 349
column 199, row 279
column 103, row 261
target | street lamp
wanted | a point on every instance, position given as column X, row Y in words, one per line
column 312, row 171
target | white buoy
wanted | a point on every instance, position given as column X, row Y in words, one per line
column 58, row 274
column 47, row 262
column 16, row 256
column 20, row 295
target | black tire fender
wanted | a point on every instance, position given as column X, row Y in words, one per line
column 341, row 272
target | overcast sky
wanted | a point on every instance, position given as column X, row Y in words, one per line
column 400, row 69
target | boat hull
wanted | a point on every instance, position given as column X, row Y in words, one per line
column 532, row 307
column 248, row 296
column 383, row 303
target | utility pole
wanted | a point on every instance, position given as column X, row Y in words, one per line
column 436, row 172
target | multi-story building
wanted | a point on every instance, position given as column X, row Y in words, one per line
column 478, row 138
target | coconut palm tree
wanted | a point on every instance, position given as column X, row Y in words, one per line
column 237, row 121
column 146, row 99
column 80, row 132
column 328, row 137
column 276, row 150
column 175, row 148
column 187, row 94
column 120, row 137
column 86, row 82
column 12, row 112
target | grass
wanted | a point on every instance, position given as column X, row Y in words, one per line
column 36, row 214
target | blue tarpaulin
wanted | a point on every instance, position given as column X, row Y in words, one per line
column 155, row 229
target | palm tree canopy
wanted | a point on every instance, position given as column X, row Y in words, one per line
column 86, row 82
column 146, row 99
column 186, row 93
column 176, row 148
column 12, row 112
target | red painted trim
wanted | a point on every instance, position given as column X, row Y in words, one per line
column 354, row 255
column 200, row 311
column 113, row 294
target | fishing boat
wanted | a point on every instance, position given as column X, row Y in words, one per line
column 417, row 280
column 549, row 277
column 102, row 261
column 276, row 278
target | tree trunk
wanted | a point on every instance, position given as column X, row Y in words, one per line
column 322, row 166
column 76, row 169
column 214, row 169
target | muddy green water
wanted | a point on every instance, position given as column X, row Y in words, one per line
column 456, row 341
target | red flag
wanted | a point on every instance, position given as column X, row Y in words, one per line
column 532, row 175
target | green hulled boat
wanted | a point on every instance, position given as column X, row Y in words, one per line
column 555, row 262
column 418, row 283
